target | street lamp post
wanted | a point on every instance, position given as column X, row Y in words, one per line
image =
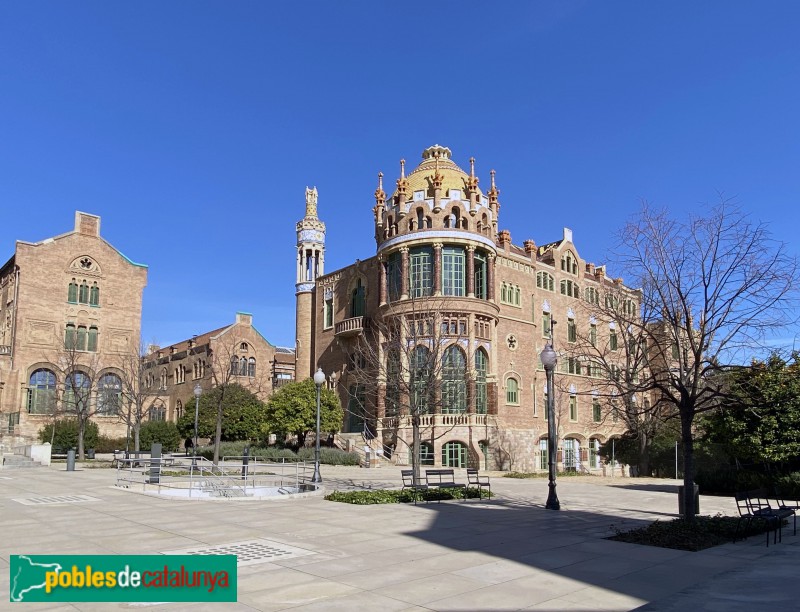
column 549, row 359
column 197, row 393
column 319, row 379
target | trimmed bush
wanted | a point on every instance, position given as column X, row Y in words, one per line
column 330, row 456
column 397, row 496
column 327, row 456
column 543, row 474
column 163, row 432
column 703, row 532
column 109, row 445
column 66, row 436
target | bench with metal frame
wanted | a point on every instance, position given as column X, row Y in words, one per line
column 408, row 483
column 754, row 506
column 443, row 480
column 474, row 479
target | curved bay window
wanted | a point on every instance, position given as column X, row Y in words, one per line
column 42, row 392
column 454, row 383
column 420, row 379
column 109, row 391
column 420, row 275
column 77, row 389
column 453, row 271
column 394, row 275
column 481, row 397
column 481, row 288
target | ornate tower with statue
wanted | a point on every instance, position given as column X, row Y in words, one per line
column 310, row 266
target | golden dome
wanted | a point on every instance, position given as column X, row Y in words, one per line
column 453, row 177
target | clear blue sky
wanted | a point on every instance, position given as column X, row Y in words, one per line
column 193, row 128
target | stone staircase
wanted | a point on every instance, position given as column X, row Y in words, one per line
column 18, row 462
column 355, row 443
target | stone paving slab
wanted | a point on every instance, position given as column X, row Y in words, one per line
column 508, row 553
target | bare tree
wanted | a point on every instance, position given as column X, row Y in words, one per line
column 136, row 395
column 229, row 366
column 408, row 365
column 713, row 288
column 79, row 366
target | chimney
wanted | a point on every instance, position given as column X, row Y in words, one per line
column 86, row 224
column 505, row 239
column 590, row 269
column 245, row 318
column 600, row 272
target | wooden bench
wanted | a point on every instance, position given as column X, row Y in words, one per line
column 443, row 480
column 474, row 479
column 754, row 506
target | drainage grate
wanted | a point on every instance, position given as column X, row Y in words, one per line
column 249, row 552
column 56, row 499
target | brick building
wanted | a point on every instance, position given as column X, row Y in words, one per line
column 70, row 313
column 234, row 353
column 445, row 280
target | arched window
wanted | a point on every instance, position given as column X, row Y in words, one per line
column 512, row 391
column 92, row 340
column 243, row 366
column 163, row 380
column 420, row 379
column 178, row 409
column 569, row 263
column 94, row 295
column 425, row 453
column 481, row 367
column 81, row 342
column 454, row 382
column 70, row 337
column 454, row 454
column 76, row 392
column 481, row 291
column 394, row 276
column 420, row 218
column 83, row 294
column 251, row 366
column 234, row 365
column 109, row 391
column 545, row 281
column 358, row 300
column 42, row 392
column 72, row 292
column 244, row 347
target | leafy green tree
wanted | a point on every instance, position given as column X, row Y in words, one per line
column 163, row 432
column 243, row 414
column 66, row 434
column 293, row 410
column 760, row 420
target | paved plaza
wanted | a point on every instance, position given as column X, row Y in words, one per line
column 505, row 554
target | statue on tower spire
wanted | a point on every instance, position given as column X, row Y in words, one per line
column 311, row 203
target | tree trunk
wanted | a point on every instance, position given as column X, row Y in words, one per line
column 688, row 466
column 136, row 429
column 415, row 448
column 218, row 434
column 81, row 430
column 644, row 454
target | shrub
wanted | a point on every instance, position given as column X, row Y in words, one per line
column 330, row 456
column 397, row 496
column 163, row 432
column 66, row 436
column 109, row 445
column 543, row 474
column 703, row 532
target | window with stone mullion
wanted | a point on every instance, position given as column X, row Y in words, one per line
column 421, row 272
column 453, row 271
column 481, row 397
column 454, row 396
column 481, row 291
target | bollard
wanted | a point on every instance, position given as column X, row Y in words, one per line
column 71, row 460
column 245, row 461
column 696, row 499
column 155, row 463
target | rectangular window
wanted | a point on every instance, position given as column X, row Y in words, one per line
column 593, row 334
column 81, row 342
column 572, row 331
column 612, row 340
column 394, row 276
column 542, row 454
column 596, row 415
column 92, row 344
column 481, row 291
column 453, row 271
column 676, row 351
column 573, row 408
column 545, row 325
column 421, row 272
column 329, row 313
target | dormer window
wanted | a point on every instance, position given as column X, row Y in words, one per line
column 569, row 263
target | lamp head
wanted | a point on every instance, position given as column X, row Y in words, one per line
column 319, row 377
column 197, row 390
column 549, row 357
